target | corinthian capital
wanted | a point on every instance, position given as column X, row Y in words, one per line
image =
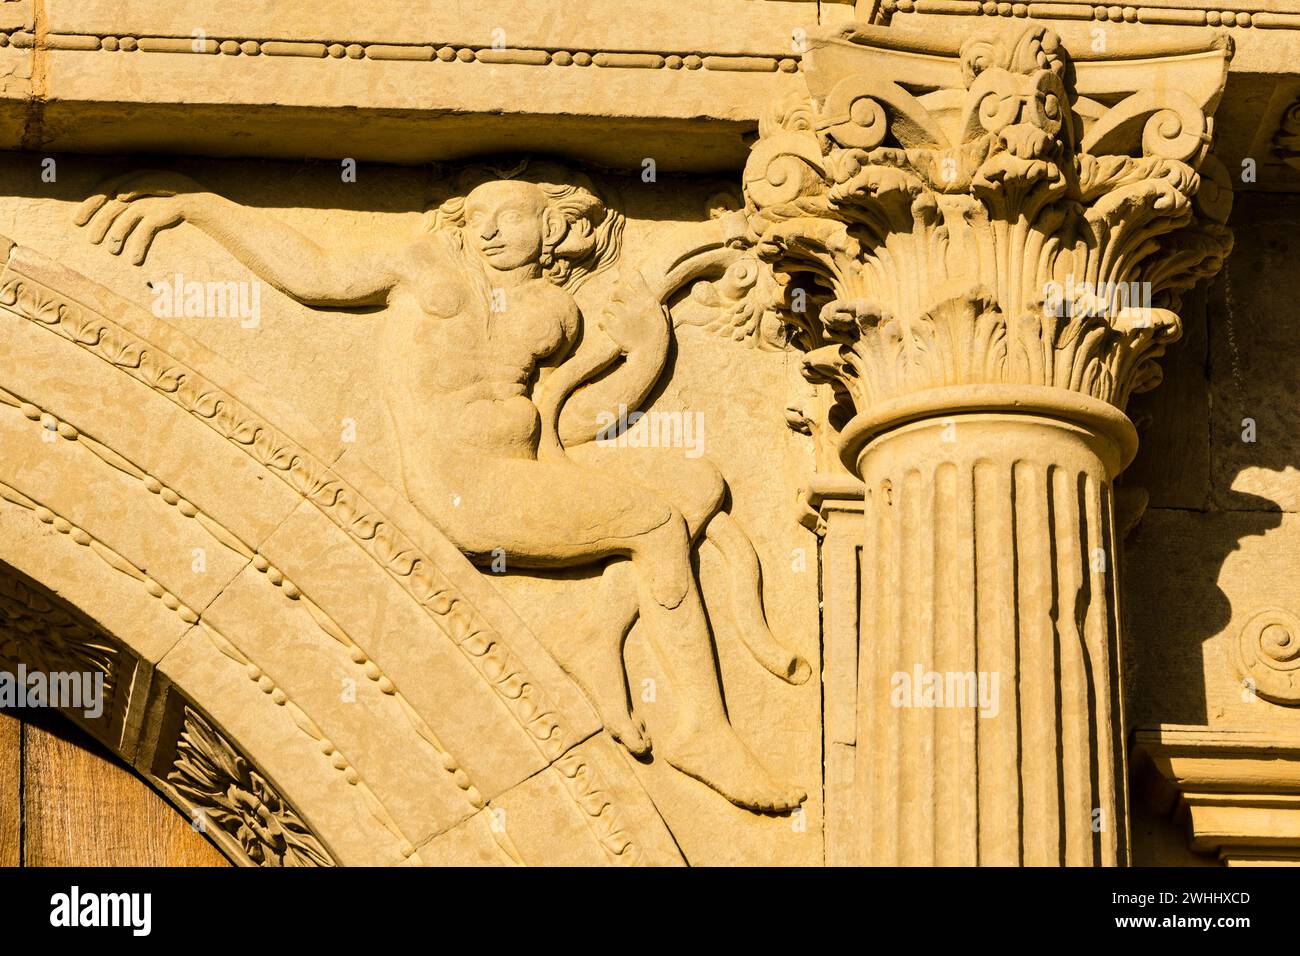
column 1000, row 214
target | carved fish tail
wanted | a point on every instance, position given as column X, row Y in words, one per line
column 745, row 577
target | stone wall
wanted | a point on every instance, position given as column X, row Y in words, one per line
column 1219, row 458
column 320, row 400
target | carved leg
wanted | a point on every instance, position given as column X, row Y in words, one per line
column 746, row 593
column 703, row 744
column 592, row 655
column 557, row 532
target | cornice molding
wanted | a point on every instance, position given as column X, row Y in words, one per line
column 445, row 53
column 1147, row 14
column 624, row 79
column 1238, row 792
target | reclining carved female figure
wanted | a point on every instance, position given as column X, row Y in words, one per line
column 486, row 359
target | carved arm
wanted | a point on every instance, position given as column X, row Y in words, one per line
column 128, row 212
column 635, row 327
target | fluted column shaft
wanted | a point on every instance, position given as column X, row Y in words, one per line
column 989, row 682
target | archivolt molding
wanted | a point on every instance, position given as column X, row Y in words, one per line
column 309, row 476
column 589, row 789
column 33, row 300
column 35, row 655
column 277, row 578
column 199, row 767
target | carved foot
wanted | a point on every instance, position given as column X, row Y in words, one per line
column 628, row 729
column 599, row 672
column 592, row 655
column 718, row 758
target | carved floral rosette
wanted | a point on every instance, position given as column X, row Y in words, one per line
column 983, row 222
column 228, row 793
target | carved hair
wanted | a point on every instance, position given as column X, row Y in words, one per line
column 593, row 232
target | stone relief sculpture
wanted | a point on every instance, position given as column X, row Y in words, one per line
column 970, row 230
column 496, row 384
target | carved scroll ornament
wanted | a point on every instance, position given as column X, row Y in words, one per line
column 993, row 225
column 1267, row 656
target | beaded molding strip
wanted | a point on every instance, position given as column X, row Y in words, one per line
column 427, row 52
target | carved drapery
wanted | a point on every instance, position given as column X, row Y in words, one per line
column 983, row 250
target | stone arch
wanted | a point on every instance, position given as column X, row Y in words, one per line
column 293, row 652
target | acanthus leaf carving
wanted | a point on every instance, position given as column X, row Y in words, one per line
column 44, row 636
column 1007, row 231
column 228, row 792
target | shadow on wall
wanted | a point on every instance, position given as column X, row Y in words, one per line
column 1220, row 457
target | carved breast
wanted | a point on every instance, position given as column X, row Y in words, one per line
column 465, row 352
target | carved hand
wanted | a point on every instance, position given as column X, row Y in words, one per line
column 130, row 210
column 633, row 317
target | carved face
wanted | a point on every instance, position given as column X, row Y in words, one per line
column 1025, row 112
column 506, row 223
